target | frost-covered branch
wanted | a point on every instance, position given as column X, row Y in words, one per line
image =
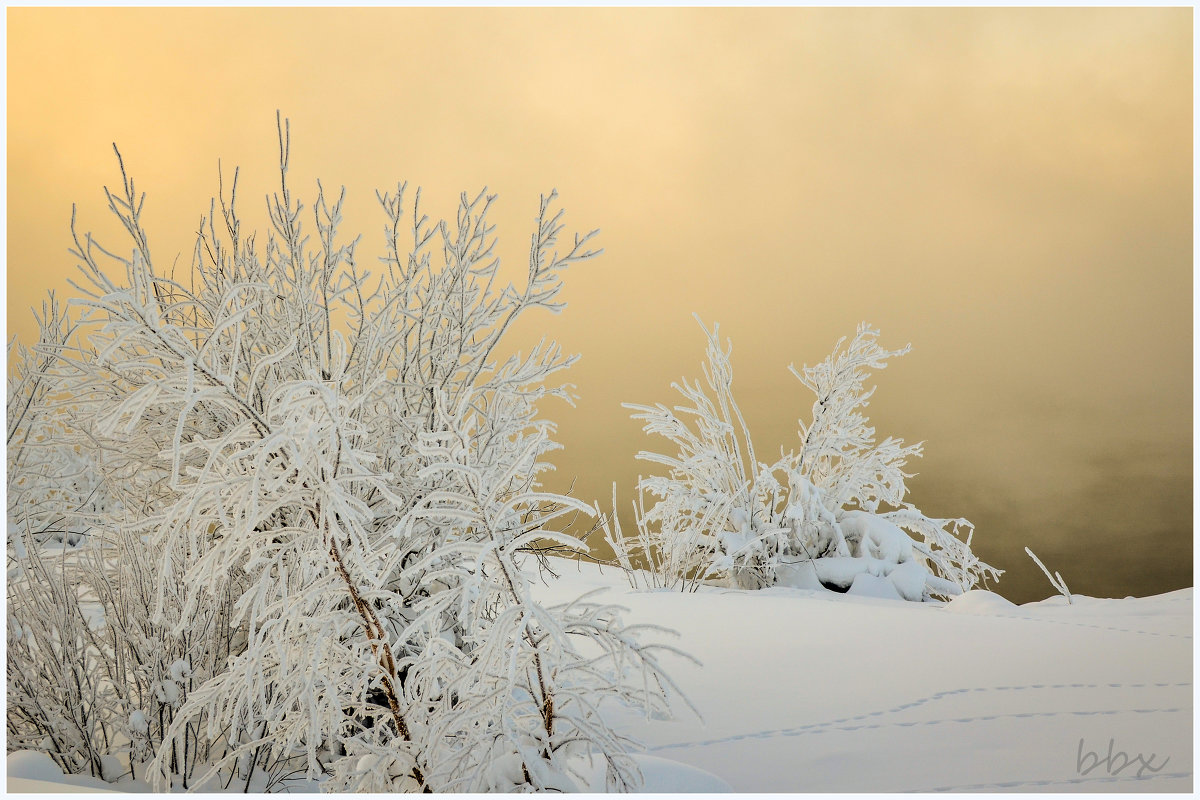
column 1056, row 580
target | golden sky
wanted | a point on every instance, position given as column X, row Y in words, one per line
column 1008, row 189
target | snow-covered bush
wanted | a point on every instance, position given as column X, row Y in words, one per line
column 84, row 657
column 829, row 512
column 343, row 513
column 92, row 672
column 639, row 559
column 55, row 669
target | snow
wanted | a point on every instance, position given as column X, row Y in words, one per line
column 32, row 765
column 180, row 670
column 809, row 690
column 814, row 691
column 868, row 585
column 663, row 775
column 880, row 539
column 980, row 601
column 29, row 771
column 58, row 786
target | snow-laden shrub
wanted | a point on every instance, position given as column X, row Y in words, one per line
column 828, row 512
column 91, row 671
column 55, row 668
column 351, row 506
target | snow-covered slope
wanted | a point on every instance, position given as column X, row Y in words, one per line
column 812, row 691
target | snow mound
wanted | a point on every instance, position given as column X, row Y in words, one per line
column 980, row 601
column 663, row 775
column 30, row 786
column 868, row 585
column 32, row 772
column 33, row 765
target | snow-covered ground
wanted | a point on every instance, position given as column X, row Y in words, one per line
column 813, row 691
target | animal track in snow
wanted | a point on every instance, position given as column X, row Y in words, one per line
column 1092, row 626
column 975, row 787
column 844, row 723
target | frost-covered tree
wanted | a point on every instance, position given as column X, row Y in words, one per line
column 336, row 475
column 829, row 512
